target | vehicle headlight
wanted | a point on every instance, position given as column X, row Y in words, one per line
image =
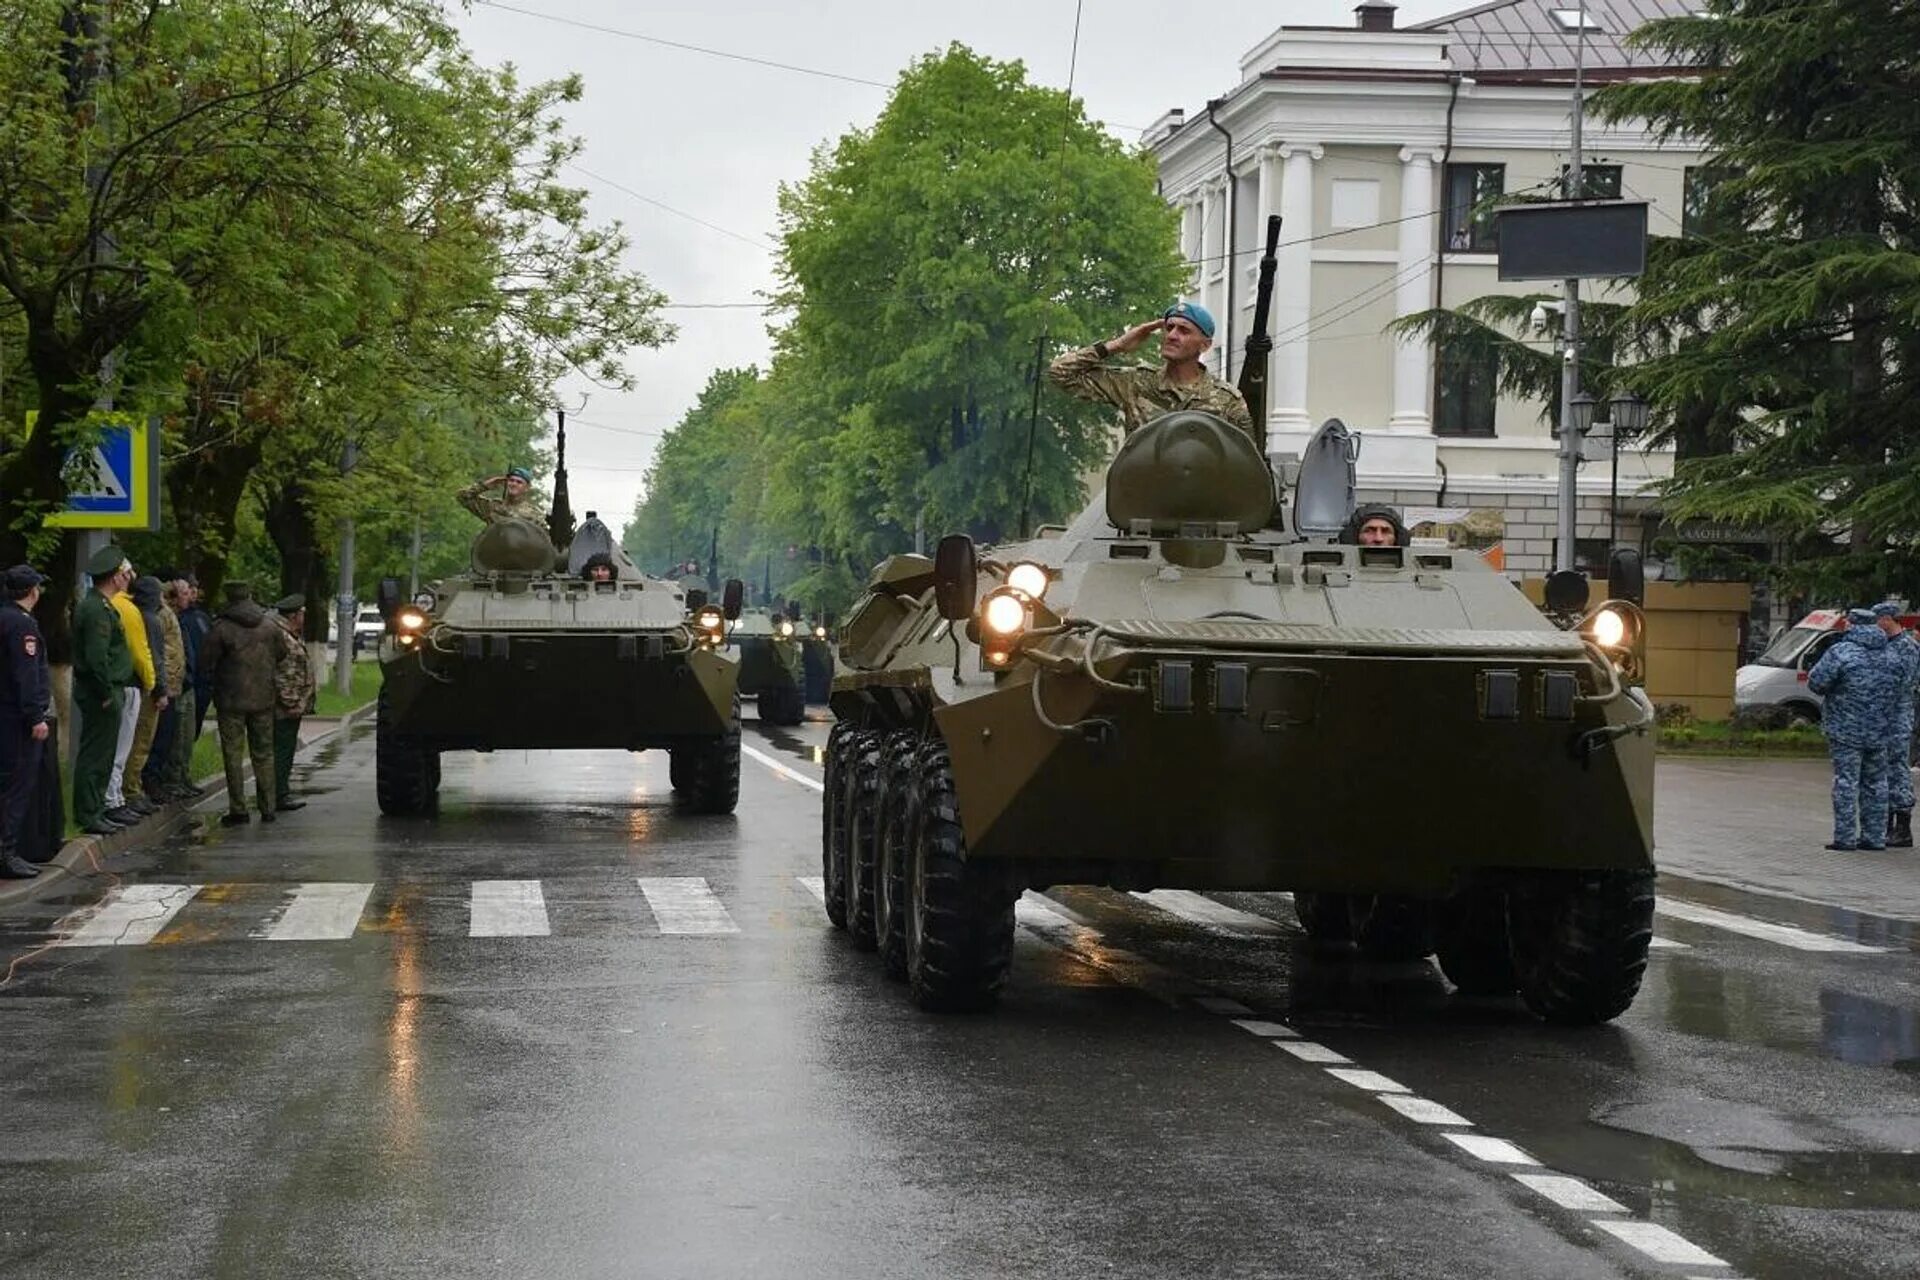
column 410, row 619
column 1029, row 579
column 1005, row 614
column 424, row 600
column 1609, row 628
column 710, row 621
column 819, row 633
column 786, row 629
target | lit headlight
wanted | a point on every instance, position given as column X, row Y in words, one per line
column 410, row 619
column 1608, row 628
column 819, row 633
column 786, row 628
column 1029, row 579
column 710, row 620
column 1005, row 614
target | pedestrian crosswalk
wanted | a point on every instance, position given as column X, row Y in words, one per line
column 151, row 913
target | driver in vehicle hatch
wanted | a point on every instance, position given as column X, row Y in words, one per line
column 598, row 568
column 1375, row 525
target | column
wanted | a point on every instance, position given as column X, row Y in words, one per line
column 1418, row 242
column 1293, row 289
column 1213, row 269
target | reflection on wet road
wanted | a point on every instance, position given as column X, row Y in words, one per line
column 569, row 1030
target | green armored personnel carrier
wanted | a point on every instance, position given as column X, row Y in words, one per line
column 522, row 651
column 768, row 647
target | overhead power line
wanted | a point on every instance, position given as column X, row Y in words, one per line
column 759, row 243
column 727, row 54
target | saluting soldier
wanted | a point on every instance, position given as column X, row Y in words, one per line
column 26, row 707
column 294, row 694
column 102, row 669
column 514, row 499
column 240, row 653
column 1142, row 392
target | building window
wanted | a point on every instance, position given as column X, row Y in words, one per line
column 1590, row 555
column 1355, row 202
column 1698, row 215
column 1468, row 225
column 1597, row 182
column 1576, row 20
column 1466, row 389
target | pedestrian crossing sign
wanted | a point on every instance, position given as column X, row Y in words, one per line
column 113, row 482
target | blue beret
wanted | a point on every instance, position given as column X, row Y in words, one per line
column 520, row 473
column 1887, row 609
column 1194, row 313
column 1860, row 617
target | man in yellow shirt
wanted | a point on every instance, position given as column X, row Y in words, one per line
column 134, row 627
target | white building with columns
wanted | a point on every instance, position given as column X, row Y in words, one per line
column 1376, row 144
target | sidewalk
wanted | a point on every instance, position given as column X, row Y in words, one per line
column 1762, row 825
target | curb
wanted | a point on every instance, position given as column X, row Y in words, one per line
column 80, row 856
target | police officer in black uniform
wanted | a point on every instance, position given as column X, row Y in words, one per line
column 26, row 705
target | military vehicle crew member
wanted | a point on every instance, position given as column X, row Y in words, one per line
column 26, row 703
column 1376, row 525
column 513, row 500
column 1142, row 393
column 598, row 568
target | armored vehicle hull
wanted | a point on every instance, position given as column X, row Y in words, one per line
column 528, row 657
column 770, row 666
column 1188, row 698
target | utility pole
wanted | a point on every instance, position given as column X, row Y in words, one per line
column 1569, row 495
column 345, row 603
column 413, row 560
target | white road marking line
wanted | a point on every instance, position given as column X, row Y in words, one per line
column 1668, row 944
column 321, row 911
column 1269, row 1030
column 1197, row 908
column 1309, row 1051
column 1657, row 1242
column 128, row 916
column 685, row 904
column 1224, row 1007
column 1785, row 935
column 1423, row 1110
column 1371, row 1081
column 782, row 769
column 1569, row 1193
column 508, row 909
column 1492, row 1150
column 815, row 885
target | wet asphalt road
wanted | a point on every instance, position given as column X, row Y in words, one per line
column 664, row 1063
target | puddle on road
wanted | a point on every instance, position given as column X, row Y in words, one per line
column 1700, row 999
column 1837, row 922
column 793, row 745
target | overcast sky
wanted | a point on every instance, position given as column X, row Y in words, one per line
column 713, row 138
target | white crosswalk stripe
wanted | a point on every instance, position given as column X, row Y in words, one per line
column 321, row 912
column 129, row 916
column 686, row 904
column 508, row 909
column 1197, row 908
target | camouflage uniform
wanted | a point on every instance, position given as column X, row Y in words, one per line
column 294, row 694
column 498, row 506
column 1860, row 678
column 1900, row 736
column 1142, row 393
column 240, row 654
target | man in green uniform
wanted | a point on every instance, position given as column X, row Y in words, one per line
column 102, row 668
column 1142, row 393
column 514, row 498
column 240, row 653
column 294, row 692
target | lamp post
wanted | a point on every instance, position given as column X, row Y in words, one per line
column 1628, row 414
column 1578, row 410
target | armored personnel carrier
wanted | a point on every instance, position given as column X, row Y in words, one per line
column 522, row 651
column 1179, row 690
column 768, row 646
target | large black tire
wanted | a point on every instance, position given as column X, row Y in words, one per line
column 406, row 775
column 1580, row 942
column 781, row 705
column 711, row 770
column 863, row 785
column 1391, row 928
column 833, row 823
column 899, row 764
column 959, row 913
column 1326, row 917
column 677, row 770
column 1471, row 942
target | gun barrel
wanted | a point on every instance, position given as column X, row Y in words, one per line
column 1253, row 370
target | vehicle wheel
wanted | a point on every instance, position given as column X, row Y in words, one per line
column 959, row 913
column 406, row 774
column 1470, row 937
column 1389, row 927
column 1802, row 715
column 833, row 823
column 1325, row 916
column 711, row 770
column 677, row 770
column 894, row 802
column 793, row 706
column 863, row 784
column 1580, row 942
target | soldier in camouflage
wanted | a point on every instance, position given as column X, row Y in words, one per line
column 512, row 500
column 294, row 694
column 1900, row 737
column 1142, row 393
column 1860, row 678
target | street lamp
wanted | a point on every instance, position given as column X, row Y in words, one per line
column 1628, row 414
column 1582, row 406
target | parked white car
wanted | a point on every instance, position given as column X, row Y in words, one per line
column 368, row 626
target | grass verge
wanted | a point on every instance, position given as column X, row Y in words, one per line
column 1716, row 737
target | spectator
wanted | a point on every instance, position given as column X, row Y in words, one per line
column 1859, row 678
column 139, row 686
column 26, row 709
column 176, row 770
column 294, row 693
column 195, row 622
column 240, row 654
column 146, row 598
column 102, row 668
